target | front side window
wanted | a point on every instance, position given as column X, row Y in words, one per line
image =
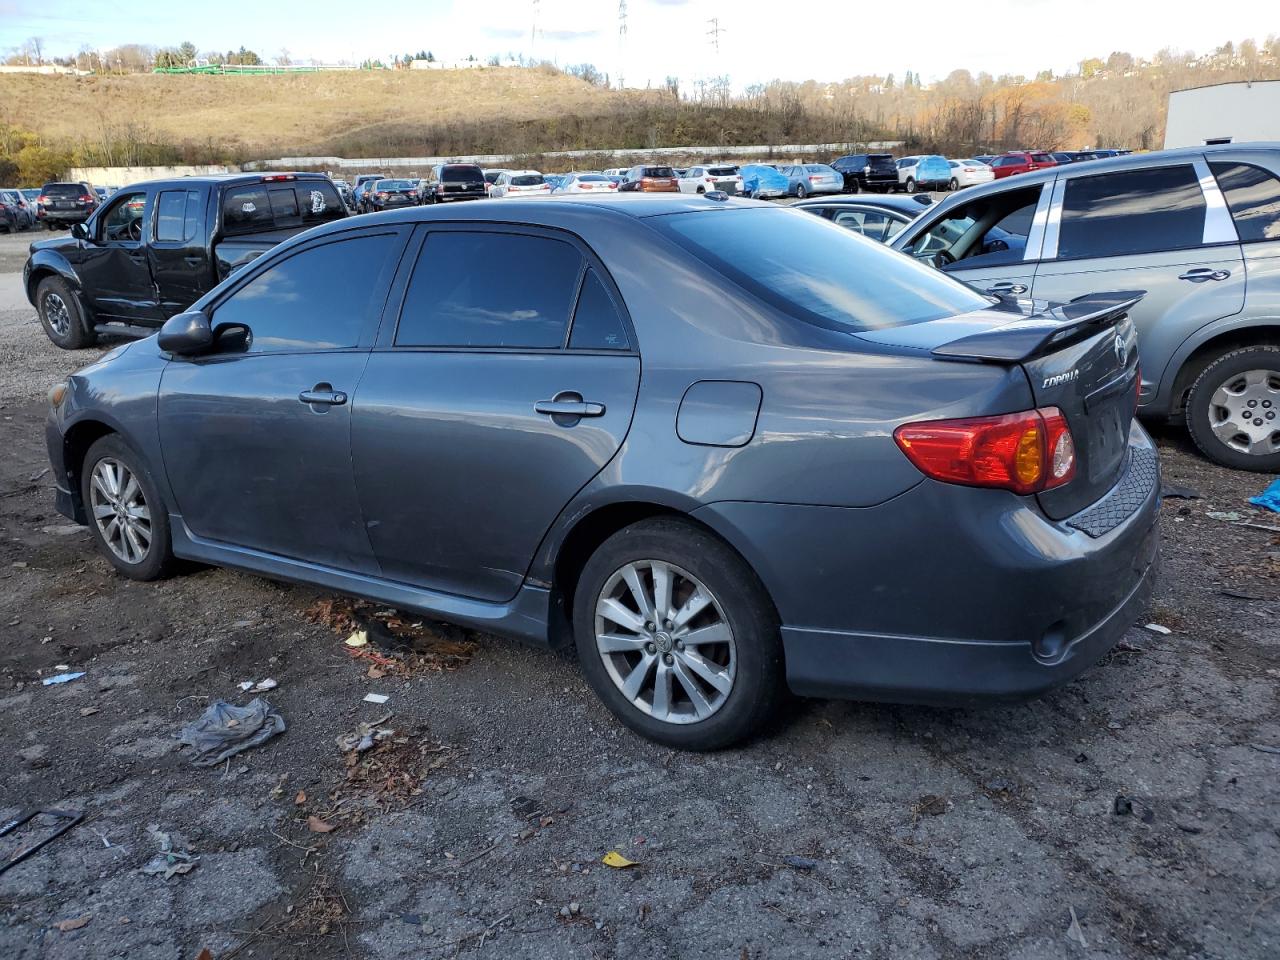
column 986, row 232
column 317, row 299
column 123, row 221
column 1253, row 197
column 820, row 273
column 177, row 214
column 1134, row 211
column 453, row 301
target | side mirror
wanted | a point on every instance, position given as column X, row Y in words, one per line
column 186, row 334
column 80, row 231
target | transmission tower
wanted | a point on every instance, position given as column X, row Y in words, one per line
column 622, row 37
column 714, row 34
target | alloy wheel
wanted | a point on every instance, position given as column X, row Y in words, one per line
column 120, row 510
column 1244, row 412
column 58, row 314
column 665, row 642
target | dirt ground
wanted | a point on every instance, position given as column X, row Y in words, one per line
column 1141, row 799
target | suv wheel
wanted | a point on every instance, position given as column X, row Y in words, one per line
column 62, row 314
column 855, row 187
column 911, row 184
column 1233, row 410
column 129, row 522
column 953, row 185
column 676, row 635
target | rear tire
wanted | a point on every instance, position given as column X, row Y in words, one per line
column 133, row 533
column 855, row 187
column 954, row 185
column 744, row 660
column 911, row 185
column 62, row 315
column 1235, row 404
column 801, row 192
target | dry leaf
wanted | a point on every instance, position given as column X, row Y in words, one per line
column 205, row 955
column 616, row 860
column 301, row 798
column 76, row 924
column 374, row 673
column 319, row 826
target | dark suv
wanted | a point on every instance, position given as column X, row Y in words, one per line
column 454, row 181
column 67, row 203
column 868, row 171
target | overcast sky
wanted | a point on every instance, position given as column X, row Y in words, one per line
column 759, row 41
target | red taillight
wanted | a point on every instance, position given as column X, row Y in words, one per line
column 381, row 195
column 1024, row 452
column 42, row 199
column 86, row 199
column 277, row 177
column 1137, row 389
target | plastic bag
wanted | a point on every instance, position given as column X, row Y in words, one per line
column 224, row 730
column 1268, row 498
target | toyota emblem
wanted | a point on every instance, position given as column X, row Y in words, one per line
column 1120, row 350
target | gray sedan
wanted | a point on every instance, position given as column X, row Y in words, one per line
column 810, row 178
column 840, row 472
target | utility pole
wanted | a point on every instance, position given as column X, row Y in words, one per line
column 533, row 32
column 622, row 38
column 714, row 34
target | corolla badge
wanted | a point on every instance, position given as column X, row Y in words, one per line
column 1058, row 379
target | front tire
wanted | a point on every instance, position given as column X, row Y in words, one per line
column 676, row 635
column 62, row 314
column 911, row 185
column 129, row 522
column 1233, row 410
column 801, row 192
column 855, row 187
column 954, row 185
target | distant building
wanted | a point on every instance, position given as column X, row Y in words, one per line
column 1224, row 113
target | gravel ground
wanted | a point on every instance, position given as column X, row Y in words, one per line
column 1142, row 797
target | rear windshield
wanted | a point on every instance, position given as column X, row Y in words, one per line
column 818, row 272
column 528, row 180
column 63, row 190
column 394, row 185
column 259, row 207
column 815, row 168
column 461, row 172
column 722, row 171
column 658, row 172
column 593, row 178
column 492, row 176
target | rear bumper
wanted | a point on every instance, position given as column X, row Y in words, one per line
column 460, row 195
column 946, row 594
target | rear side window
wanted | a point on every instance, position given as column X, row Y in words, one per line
column 177, row 215
column 597, row 325
column 1136, row 211
column 258, row 207
column 1253, row 196
column 310, row 301
column 818, row 272
column 247, row 210
column 453, row 301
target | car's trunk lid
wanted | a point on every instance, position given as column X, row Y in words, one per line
column 1080, row 357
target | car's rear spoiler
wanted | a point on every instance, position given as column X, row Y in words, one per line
column 1045, row 331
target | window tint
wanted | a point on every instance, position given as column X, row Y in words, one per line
column 123, row 221
column 177, row 214
column 315, row 300
column 252, row 209
column 870, row 223
column 284, row 205
column 459, row 172
column 453, row 301
column 813, row 270
column 1138, row 211
column 1253, row 196
column 1004, row 219
column 528, row 180
column 64, row 191
column 597, row 324
column 246, row 209
column 658, row 172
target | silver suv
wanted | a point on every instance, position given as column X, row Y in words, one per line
column 1197, row 229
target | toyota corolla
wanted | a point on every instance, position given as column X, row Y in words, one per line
column 725, row 449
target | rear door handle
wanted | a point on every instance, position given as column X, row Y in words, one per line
column 1201, row 274
column 569, row 405
column 1006, row 287
column 194, row 261
column 323, row 395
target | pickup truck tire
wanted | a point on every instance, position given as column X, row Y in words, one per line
column 1235, row 404
column 62, row 315
column 749, row 662
column 127, row 518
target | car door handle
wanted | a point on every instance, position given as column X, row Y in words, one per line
column 1201, row 274
column 998, row 288
column 194, row 261
column 323, row 395
column 569, row 408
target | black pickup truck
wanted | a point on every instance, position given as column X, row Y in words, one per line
column 155, row 248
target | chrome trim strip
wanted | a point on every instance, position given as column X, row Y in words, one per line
column 1035, row 236
column 1054, row 220
column 1218, row 225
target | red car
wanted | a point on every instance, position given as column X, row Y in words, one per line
column 1020, row 161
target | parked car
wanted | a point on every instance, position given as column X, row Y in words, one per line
column 878, row 218
column 804, row 179
column 968, row 173
column 985, row 158
column 722, row 177
column 646, row 178
column 763, row 182
column 155, row 248
column 520, row 183
column 586, row 183
column 923, row 173
column 729, row 524
column 1020, row 161
column 390, row 194
column 32, row 196
column 20, row 215
column 867, row 171
column 362, row 184
column 1187, row 226
column 67, row 203
column 454, row 181
column 1063, row 156
column 344, row 191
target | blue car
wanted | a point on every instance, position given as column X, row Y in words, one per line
column 762, row 181
column 923, row 173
